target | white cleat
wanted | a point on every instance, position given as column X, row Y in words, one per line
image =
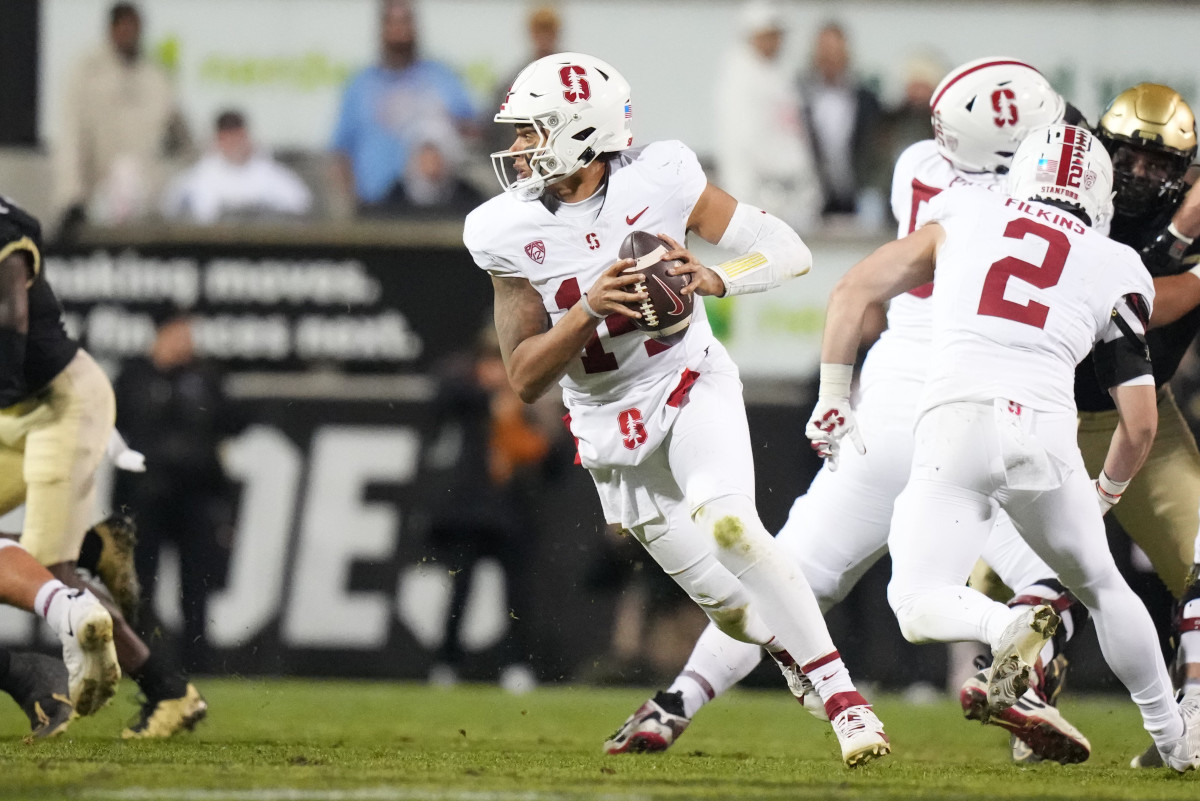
column 1184, row 754
column 802, row 687
column 1016, row 653
column 89, row 654
column 860, row 734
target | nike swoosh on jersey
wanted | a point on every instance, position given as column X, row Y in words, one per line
column 634, row 218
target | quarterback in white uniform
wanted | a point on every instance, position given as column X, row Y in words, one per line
column 662, row 429
column 857, row 499
column 1025, row 288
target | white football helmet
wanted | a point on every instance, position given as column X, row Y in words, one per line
column 983, row 109
column 1065, row 164
column 580, row 108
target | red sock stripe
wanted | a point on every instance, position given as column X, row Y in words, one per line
column 1189, row 624
column 46, row 606
column 782, row 656
column 703, row 682
column 820, row 661
column 1060, row 604
column 840, row 702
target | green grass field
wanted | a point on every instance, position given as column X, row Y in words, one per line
column 307, row 740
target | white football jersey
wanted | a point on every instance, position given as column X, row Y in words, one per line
column 620, row 389
column 1023, row 291
column 921, row 173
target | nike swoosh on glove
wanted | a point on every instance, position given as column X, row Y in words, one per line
column 831, row 420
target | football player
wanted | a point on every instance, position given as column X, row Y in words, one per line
column 56, row 419
column 1028, row 288
column 661, row 428
column 1150, row 132
column 971, row 148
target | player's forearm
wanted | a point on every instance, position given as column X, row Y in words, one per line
column 1187, row 217
column 843, row 324
column 540, row 360
column 1131, row 442
column 1174, row 296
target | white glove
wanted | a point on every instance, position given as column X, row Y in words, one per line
column 1108, row 492
column 122, row 456
column 833, row 417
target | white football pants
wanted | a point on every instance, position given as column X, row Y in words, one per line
column 708, row 536
column 943, row 519
column 838, row 529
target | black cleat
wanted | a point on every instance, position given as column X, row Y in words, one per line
column 38, row 683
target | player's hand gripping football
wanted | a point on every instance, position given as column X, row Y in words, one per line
column 703, row 281
column 610, row 294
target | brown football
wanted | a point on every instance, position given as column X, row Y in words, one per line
column 667, row 312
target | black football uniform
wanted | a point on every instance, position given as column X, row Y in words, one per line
column 1159, row 509
column 48, row 349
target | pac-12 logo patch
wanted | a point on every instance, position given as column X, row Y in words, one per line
column 536, row 250
column 633, row 431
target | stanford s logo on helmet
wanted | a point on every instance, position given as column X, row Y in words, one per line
column 1064, row 164
column 982, row 110
column 578, row 105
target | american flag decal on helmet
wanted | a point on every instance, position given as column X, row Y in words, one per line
column 628, row 110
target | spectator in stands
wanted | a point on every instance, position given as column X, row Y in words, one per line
column 236, row 181
column 545, row 29
column 431, row 187
column 908, row 121
column 387, row 106
column 843, row 116
column 120, row 123
column 763, row 151
column 173, row 407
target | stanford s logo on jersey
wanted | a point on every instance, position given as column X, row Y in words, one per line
column 577, row 87
column 536, row 250
column 633, row 432
column 1004, row 103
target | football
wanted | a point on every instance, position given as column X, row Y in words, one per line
column 667, row 312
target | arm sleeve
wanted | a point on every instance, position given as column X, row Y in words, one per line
column 1121, row 355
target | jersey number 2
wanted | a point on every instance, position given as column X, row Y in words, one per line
column 1043, row 276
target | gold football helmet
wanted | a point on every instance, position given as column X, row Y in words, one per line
column 1150, row 132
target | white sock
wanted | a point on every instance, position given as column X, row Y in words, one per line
column 717, row 663
column 695, row 690
column 50, row 603
column 829, row 676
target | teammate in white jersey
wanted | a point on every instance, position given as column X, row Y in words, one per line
column 856, row 501
column 662, row 429
column 1025, row 288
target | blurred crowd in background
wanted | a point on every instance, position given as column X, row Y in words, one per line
column 410, row 143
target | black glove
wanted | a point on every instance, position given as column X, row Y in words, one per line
column 1164, row 256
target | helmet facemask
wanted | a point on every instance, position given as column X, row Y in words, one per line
column 557, row 154
column 1146, row 179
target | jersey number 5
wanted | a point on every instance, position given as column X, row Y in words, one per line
column 1043, row 276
